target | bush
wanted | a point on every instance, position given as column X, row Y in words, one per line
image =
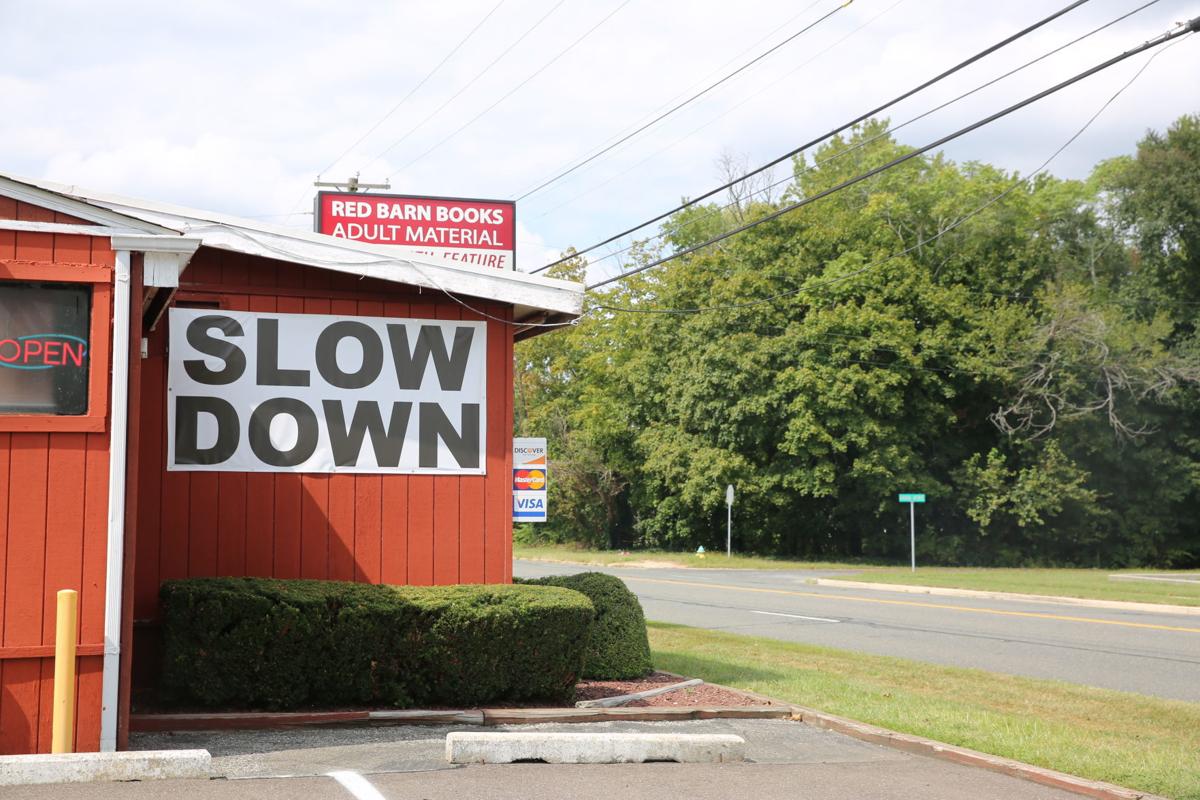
column 279, row 644
column 619, row 649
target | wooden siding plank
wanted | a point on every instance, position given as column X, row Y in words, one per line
column 498, row 484
column 71, row 249
column 342, row 493
column 421, row 501
column 66, row 471
column 174, row 526
column 505, row 387
column 31, row 213
column 35, row 246
column 204, row 267
column 5, row 472
column 67, row 219
column 203, row 504
column 45, row 718
column 472, row 542
column 446, row 511
column 260, row 494
column 151, row 469
column 95, row 539
column 26, row 564
column 231, row 490
column 315, row 535
column 287, row 493
column 235, row 271
column 368, row 503
column 88, row 705
column 22, row 687
column 394, row 500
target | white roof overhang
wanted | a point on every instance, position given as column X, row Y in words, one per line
column 535, row 299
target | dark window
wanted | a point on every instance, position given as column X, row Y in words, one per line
column 44, row 348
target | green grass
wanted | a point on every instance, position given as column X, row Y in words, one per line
column 616, row 558
column 1090, row 583
column 1140, row 742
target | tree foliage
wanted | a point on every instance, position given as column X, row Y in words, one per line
column 1023, row 350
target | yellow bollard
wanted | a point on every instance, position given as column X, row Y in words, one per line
column 66, row 627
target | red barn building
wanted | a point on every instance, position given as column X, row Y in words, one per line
column 131, row 453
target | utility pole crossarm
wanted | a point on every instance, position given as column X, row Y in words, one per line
column 352, row 184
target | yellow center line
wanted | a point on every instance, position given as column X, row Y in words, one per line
column 882, row 601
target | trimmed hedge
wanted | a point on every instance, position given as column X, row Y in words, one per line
column 619, row 648
column 276, row 644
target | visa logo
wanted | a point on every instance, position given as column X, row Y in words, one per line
column 531, row 504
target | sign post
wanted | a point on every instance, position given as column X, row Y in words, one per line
column 912, row 498
column 729, row 520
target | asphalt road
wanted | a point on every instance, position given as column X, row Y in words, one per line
column 1134, row 651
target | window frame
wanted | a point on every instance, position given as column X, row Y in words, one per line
column 99, row 345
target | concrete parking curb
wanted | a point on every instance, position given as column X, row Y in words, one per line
column 942, row 591
column 146, row 765
column 593, row 748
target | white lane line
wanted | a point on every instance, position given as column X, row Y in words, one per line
column 356, row 785
column 795, row 616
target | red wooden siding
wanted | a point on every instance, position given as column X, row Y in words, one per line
column 400, row 529
column 53, row 524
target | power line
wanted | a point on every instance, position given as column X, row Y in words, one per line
column 891, row 130
column 846, row 126
column 728, row 62
column 1187, row 28
column 511, row 46
column 1190, row 27
column 722, row 115
column 516, row 88
column 417, row 87
column 688, row 101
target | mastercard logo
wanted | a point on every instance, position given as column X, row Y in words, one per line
column 529, row 480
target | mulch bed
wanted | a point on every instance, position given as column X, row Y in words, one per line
column 691, row 697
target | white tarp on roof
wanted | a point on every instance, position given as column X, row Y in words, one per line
column 532, row 296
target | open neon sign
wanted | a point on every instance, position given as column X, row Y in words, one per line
column 38, row 351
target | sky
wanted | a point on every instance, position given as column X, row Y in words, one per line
column 238, row 106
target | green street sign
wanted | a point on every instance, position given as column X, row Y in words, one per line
column 912, row 498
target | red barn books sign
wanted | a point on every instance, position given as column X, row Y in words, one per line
column 476, row 232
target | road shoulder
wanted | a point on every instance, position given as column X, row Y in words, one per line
column 1118, row 605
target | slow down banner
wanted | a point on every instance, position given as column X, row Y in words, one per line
column 261, row 392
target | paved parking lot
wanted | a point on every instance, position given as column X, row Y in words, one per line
column 787, row 760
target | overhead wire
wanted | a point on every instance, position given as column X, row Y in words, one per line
column 720, row 116
column 515, row 89
column 511, row 46
column 413, row 91
column 1173, row 37
column 678, row 106
column 416, row 88
column 723, row 66
column 808, row 167
column 1183, row 30
column 841, row 128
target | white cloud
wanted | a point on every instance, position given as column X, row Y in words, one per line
column 236, row 106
